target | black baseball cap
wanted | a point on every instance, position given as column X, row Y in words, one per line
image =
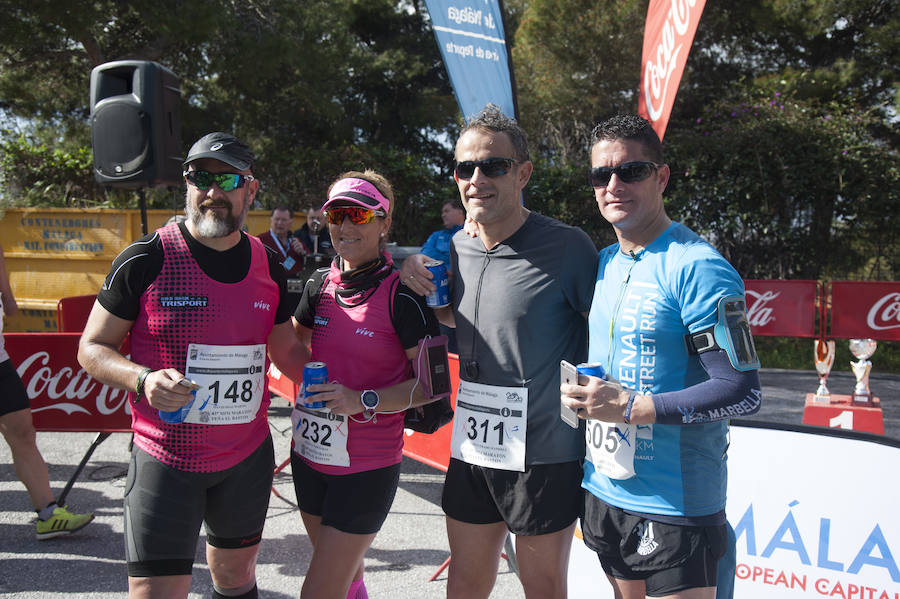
column 222, row 146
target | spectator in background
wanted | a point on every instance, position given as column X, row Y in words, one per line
column 289, row 250
column 18, row 430
column 437, row 245
column 315, row 234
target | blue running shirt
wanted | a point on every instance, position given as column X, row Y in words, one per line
column 653, row 300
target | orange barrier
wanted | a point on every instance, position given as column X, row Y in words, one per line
column 60, row 252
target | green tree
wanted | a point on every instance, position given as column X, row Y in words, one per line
column 302, row 82
column 785, row 191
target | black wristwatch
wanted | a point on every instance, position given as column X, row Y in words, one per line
column 369, row 399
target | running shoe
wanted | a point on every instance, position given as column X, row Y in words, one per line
column 62, row 522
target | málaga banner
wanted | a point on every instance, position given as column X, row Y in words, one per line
column 668, row 34
column 473, row 44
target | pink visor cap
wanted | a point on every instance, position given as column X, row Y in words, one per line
column 359, row 192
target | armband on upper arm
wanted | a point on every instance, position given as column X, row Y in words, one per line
column 731, row 333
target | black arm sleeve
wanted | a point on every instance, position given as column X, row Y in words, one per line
column 728, row 393
column 279, row 275
column 132, row 271
column 413, row 320
column 306, row 309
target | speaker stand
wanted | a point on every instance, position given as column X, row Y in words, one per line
column 142, row 204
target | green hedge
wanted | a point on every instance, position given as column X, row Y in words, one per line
column 794, row 353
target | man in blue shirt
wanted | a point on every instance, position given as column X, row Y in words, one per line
column 438, row 247
column 668, row 322
column 438, row 244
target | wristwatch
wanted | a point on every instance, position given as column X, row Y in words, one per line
column 369, row 399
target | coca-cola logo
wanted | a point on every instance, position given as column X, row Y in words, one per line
column 759, row 312
column 70, row 390
column 885, row 313
column 661, row 66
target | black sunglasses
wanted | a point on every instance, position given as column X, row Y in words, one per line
column 630, row 172
column 490, row 167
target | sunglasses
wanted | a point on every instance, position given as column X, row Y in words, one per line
column 630, row 172
column 491, row 167
column 357, row 215
column 203, row 180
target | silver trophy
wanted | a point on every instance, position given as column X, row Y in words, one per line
column 824, row 356
column 862, row 349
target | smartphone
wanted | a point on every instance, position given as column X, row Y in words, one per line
column 189, row 384
column 568, row 375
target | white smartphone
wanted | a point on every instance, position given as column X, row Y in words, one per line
column 568, row 375
column 189, row 384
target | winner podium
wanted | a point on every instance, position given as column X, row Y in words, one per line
column 860, row 411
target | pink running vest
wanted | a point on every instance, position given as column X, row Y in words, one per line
column 362, row 351
column 183, row 305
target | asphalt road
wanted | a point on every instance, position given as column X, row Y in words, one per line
column 408, row 551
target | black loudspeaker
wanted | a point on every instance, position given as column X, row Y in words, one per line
column 135, row 129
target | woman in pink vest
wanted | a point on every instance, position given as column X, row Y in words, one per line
column 366, row 326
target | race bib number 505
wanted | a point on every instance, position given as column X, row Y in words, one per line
column 610, row 448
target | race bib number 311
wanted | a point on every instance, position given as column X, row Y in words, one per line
column 489, row 426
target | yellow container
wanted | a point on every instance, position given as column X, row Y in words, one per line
column 59, row 252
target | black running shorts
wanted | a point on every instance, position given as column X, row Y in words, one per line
column 544, row 499
column 12, row 392
column 164, row 508
column 355, row 503
column 668, row 557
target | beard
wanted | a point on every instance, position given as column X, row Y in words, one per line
column 208, row 223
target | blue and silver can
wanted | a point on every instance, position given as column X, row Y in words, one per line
column 314, row 373
column 440, row 297
column 592, row 369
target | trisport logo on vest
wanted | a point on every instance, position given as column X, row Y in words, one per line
column 183, row 302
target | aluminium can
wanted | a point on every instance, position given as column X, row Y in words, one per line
column 440, row 297
column 592, row 369
column 314, row 373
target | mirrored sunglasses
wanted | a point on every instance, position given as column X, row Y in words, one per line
column 203, row 180
column 357, row 215
column 630, row 172
column 490, row 167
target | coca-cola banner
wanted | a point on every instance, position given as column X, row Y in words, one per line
column 865, row 309
column 781, row 308
column 668, row 34
column 63, row 396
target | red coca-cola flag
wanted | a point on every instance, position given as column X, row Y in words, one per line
column 668, row 35
column 865, row 309
column 63, row 396
column 779, row 308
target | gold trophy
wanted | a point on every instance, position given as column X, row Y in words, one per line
column 824, row 356
column 863, row 350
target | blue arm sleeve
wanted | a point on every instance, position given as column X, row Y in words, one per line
column 727, row 394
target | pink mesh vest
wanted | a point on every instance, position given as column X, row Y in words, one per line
column 183, row 305
column 362, row 351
